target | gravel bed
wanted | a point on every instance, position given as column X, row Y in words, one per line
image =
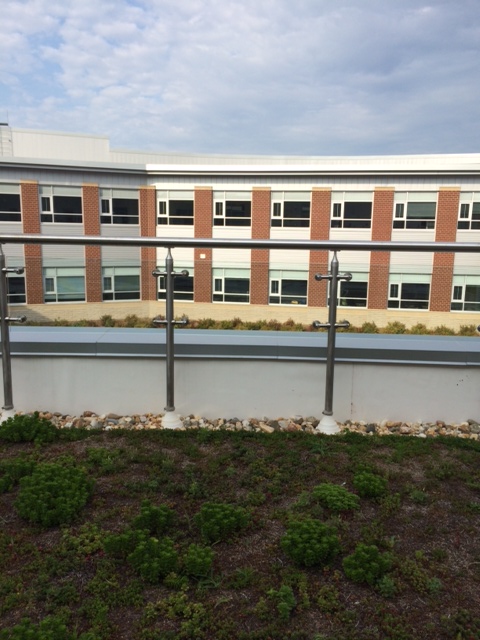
column 469, row 429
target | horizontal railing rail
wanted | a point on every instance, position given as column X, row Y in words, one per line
column 247, row 243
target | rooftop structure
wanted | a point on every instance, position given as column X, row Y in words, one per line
column 74, row 185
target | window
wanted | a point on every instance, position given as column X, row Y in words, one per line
column 231, row 285
column 290, row 214
column 288, row 287
column 121, row 283
column 60, row 204
column 182, row 287
column 175, row 212
column 351, row 215
column 353, row 293
column 414, row 215
column 118, row 207
column 64, row 284
column 469, row 216
column 16, row 289
column 410, row 292
column 232, row 213
column 466, row 293
column 10, row 208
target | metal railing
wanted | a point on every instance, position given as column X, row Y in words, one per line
column 327, row 424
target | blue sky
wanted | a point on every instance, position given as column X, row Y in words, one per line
column 303, row 77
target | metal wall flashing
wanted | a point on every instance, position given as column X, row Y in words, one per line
column 259, row 345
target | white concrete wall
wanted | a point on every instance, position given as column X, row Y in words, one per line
column 246, row 388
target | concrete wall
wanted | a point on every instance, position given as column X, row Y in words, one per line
column 246, row 374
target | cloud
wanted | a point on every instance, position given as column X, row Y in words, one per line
column 310, row 77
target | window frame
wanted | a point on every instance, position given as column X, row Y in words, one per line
column 357, row 279
column 402, row 219
column 224, row 211
column 459, row 301
column 165, row 216
column 7, row 213
column 50, row 200
column 114, row 293
column 341, row 218
column 398, row 298
column 178, row 294
column 52, row 275
column 280, row 217
column 110, row 215
column 12, row 296
column 278, row 295
column 470, row 221
column 220, row 293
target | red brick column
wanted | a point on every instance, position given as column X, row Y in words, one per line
column 203, row 216
column 93, row 254
column 148, row 255
column 319, row 230
column 382, row 217
column 259, row 278
column 445, row 231
column 33, row 252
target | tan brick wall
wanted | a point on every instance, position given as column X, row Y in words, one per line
column 93, row 273
column 93, row 254
column 319, row 230
column 259, row 273
column 91, row 210
column 382, row 216
column 445, row 231
column 30, row 206
column 202, row 281
column 259, row 276
column 203, row 212
column 33, row 253
column 33, row 273
column 203, row 221
column 148, row 255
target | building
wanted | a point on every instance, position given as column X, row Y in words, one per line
column 65, row 184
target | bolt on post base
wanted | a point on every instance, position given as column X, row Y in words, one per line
column 171, row 420
column 328, row 426
column 6, row 414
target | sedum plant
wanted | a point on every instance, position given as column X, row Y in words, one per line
column 53, row 494
column 366, row 564
column 370, row 485
column 335, row 497
column 28, row 428
column 217, row 521
column 310, row 542
column 197, row 561
column 154, row 559
column 153, row 519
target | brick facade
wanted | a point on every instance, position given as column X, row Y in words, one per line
column 259, row 272
column 148, row 255
column 32, row 252
column 203, row 215
column 93, row 254
column 319, row 230
column 445, row 231
column 382, row 220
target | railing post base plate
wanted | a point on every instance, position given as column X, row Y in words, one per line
column 171, row 420
column 328, row 425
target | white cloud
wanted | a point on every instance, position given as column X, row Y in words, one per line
column 311, row 77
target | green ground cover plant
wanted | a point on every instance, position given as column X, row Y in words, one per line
column 156, row 535
column 133, row 321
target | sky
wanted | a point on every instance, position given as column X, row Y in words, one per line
column 283, row 77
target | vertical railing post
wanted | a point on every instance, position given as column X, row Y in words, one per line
column 170, row 420
column 7, row 409
column 327, row 423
